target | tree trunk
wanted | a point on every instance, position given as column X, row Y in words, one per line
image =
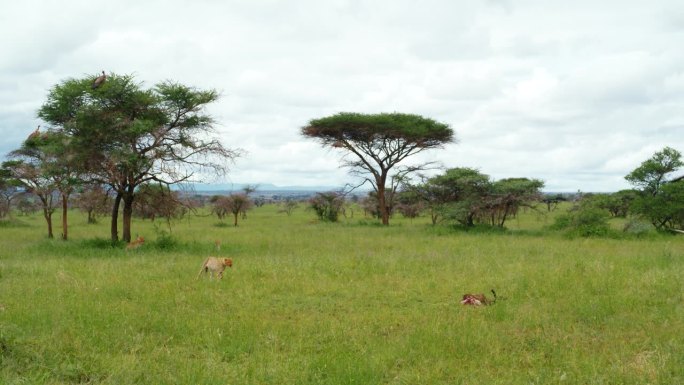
column 115, row 218
column 236, row 219
column 433, row 216
column 470, row 221
column 48, row 218
column 384, row 212
column 127, row 215
column 65, row 226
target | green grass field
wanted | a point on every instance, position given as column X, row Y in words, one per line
column 343, row 303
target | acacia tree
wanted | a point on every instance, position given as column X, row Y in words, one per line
column 127, row 135
column 409, row 203
column 376, row 144
column 10, row 189
column 327, row 205
column 552, row 202
column 468, row 196
column 94, row 201
column 460, row 194
column 44, row 164
column 61, row 166
column 288, row 205
column 659, row 199
column 154, row 200
column 650, row 176
column 235, row 204
column 27, row 169
column 507, row 196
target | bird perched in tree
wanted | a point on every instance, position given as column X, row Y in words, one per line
column 35, row 134
column 99, row 80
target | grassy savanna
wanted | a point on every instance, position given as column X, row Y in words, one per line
column 345, row 303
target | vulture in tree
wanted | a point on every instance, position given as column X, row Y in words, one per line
column 35, row 134
column 99, row 80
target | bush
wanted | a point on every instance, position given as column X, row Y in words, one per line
column 327, row 205
column 165, row 241
column 584, row 221
column 638, row 228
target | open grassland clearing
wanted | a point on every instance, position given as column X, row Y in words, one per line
column 344, row 303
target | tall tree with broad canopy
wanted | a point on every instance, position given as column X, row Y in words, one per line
column 127, row 135
column 376, row 144
column 659, row 198
column 653, row 172
column 460, row 194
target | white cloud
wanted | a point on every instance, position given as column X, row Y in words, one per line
column 577, row 94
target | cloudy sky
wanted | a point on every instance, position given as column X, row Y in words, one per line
column 576, row 93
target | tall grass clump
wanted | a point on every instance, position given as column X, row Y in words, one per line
column 165, row 241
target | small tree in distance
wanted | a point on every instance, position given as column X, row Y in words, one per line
column 10, row 189
column 376, row 144
column 288, row 206
column 94, row 201
column 327, row 205
column 235, row 204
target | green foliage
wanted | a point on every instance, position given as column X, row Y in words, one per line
column 165, row 241
column 123, row 135
column 456, row 193
column 585, row 219
column 374, row 128
column 377, row 143
column 327, row 205
column 665, row 209
column 468, row 197
column 126, row 134
column 409, row 203
column 618, row 203
column 651, row 174
column 660, row 201
column 288, row 206
column 552, row 202
column 637, row 228
column 156, row 200
column 507, row 196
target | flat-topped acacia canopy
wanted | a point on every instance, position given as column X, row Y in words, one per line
column 358, row 127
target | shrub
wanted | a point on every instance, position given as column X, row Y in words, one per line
column 165, row 241
column 637, row 228
column 327, row 205
column 584, row 221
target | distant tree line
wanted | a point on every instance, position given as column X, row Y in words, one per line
column 459, row 195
